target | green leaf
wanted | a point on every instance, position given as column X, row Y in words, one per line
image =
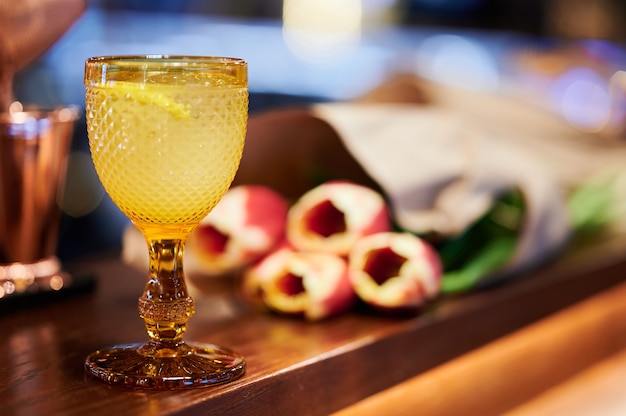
column 485, row 246
column 592, row 205
column 490, row 242
column 489, row 258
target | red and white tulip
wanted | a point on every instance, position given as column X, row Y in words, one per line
column 246, row 224
column 313, row 285
column 395, row 271
column 331, row 217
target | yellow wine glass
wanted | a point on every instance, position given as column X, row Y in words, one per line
column 166, row 134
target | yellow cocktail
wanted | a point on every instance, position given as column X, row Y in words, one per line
column 166, row 136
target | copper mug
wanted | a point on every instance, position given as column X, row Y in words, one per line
column 34, row 148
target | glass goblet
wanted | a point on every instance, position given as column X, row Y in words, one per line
column 166, row 134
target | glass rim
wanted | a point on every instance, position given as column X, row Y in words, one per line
column 160, row 59
column 106, row 70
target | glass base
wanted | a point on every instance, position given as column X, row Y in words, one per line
column 156, row 365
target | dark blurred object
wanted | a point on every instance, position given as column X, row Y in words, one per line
column 597, row 19
column 27, row 29
column 586, row 19
column 526, row 16
column 240, row 8
column 74, row 284
column 570, row 19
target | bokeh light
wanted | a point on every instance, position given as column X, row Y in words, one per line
column 457, row 61
column 320, row 31
column 582, row 97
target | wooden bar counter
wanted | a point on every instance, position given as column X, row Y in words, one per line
column 293, row 367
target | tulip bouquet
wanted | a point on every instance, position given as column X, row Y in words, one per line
column 332, row 248
column 337, row 246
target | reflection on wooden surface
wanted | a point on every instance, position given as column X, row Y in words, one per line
column 598, row 390
column 577, row 357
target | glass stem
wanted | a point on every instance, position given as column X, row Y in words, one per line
column 165, row 305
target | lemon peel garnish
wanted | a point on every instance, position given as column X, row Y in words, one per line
column 151, row 95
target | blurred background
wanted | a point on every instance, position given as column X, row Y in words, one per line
column 563, row 55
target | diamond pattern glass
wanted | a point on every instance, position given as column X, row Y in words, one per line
column 166, row 136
